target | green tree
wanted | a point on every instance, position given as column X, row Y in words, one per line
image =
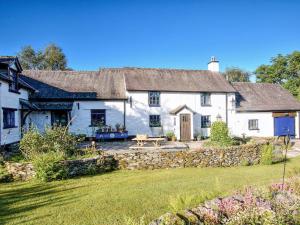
column 31, row 59
column 283, row 70
column 235, row 74
column 51, row 58
column 54, row 58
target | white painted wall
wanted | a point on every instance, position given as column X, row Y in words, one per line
column 137, row 116
column 265, row 124
column 81, row 116
column 137, row 119
column 11, row 100
column 39, row 120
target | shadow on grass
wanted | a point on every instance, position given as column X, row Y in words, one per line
column 18, row 201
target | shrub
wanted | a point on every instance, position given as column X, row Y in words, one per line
column 267, row 154
column 48, row 167
column 58, row 139
column 31, row 143
column 91, row 169
column 54, row 139
column 219, row 135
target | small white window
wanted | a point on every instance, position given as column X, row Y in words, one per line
column 154, row 98
column 253, row 124
column 205, row 99
column 205, row 122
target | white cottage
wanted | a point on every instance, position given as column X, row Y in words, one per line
column 146, row 101
column 14, row 94
column 155, row 101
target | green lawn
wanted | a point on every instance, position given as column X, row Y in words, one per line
column 107, row 199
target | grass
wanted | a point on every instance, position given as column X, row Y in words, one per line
column 110, row 198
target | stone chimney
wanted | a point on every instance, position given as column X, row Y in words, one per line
column 213, row 65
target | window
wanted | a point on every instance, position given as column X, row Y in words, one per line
column 154, row 98
column 13, row 86
column 154, row 121
column 205, row 99
column 98, row 117
column 253, row 124
column 205, row 121
column 9, row 118
column 59, row 118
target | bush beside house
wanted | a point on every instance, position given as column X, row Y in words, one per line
column 46, row 151
column 219, row 135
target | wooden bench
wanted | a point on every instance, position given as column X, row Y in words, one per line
column 142, row 140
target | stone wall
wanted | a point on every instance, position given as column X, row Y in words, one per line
column 204, row 157
column 20, row 171
column 151, row 159
column 98, row 164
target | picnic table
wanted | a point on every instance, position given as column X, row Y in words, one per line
column 142, row 140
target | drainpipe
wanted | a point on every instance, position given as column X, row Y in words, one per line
column 124, row 115
column 226, row 109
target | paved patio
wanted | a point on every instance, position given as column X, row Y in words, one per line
column 117, row 146
column 124, row 146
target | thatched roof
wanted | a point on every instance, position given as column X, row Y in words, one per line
column 113, row 83
column 75, row 85
column 140, row 79
column 264, row 97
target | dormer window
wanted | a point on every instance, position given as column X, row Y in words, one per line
column 13, row 86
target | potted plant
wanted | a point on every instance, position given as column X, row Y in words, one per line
column 170, row 135
column 118, row 127
column 174, row 138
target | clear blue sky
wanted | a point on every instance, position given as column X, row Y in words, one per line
column 165, row 34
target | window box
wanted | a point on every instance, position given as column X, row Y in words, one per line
column 111, row 135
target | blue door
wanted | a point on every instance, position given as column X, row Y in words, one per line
column 284, row 126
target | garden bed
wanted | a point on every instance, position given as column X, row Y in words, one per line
column 277, row 204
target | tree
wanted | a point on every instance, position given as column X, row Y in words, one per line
column 235, row 74
column 283, row 70
column 52, row 58
column 30, row 59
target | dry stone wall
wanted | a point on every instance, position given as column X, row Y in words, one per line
column 98, row 164
column 154, row 159
column 20, row 171
column 204, row 157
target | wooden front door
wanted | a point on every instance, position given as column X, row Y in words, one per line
column 185, row 127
